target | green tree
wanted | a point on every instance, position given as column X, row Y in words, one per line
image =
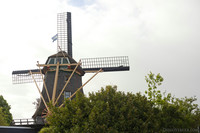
column 105, row 111
column 72, row 117
column 2, row 118
column 112, row 111
column 118, row 112
column 5, row 115
column 171, row 112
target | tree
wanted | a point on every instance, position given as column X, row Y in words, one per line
column 119, row 112
column 2, row 118
column 113, row 111
column 171, row 112
column 5, row 115
column 105, row 111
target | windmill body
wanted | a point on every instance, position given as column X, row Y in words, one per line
column 61, row 74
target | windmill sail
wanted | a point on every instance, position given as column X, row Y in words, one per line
column 107, row 64
column 24, row 76
column 64, row 31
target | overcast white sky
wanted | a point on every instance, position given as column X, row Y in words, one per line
column 161, row 36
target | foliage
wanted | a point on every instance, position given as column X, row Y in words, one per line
column 113, row 111
column 171, row 112
column 5, row 115
column 104, row 111
column 2, row 118
column 119, row 112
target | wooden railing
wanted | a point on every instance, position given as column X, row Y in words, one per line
column 17, row 122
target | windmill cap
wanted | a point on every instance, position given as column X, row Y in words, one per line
column 62, row 54
column 71, row 60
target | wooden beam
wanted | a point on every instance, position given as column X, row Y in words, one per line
column 55, row 83
column 35, row 72
column 62, row 52
column 68, row 81
column 91, row 71
column 42, row 65
column 82, row 86
column 39, row 91
column 71, row 70
column 44, row 83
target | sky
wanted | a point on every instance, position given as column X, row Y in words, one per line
column 161, row 36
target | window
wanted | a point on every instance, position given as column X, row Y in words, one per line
column 61, row 60
column 66, row 61
column 58, row 60
column 51, row 61
column 67, row 94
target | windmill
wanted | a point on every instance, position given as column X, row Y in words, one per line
column 61, row 74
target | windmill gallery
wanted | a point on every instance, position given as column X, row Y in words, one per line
column 61, row 74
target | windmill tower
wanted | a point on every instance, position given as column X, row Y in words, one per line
column 61, row 74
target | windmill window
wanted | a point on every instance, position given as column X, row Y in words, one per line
column 66, row 61
column 58, row 60
column 67, row 94
column 51, row 61
column 61, row 61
